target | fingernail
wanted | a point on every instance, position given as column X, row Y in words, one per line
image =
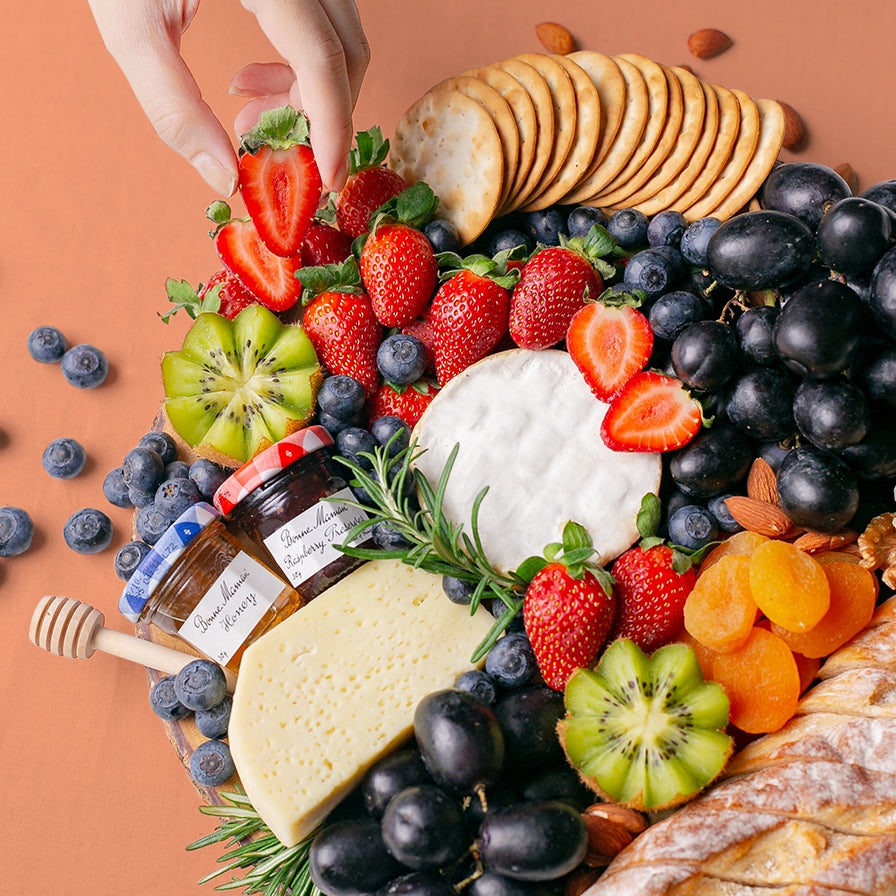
column 339, row 177
column 216, row 175
column 234, row 90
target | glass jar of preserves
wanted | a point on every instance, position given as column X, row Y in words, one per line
column 200, row 584
column 291, row 503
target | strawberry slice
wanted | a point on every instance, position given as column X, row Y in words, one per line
column 609, row 344
column 279, row 180
column 652, row 412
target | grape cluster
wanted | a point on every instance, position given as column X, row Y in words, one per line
column 482, row 797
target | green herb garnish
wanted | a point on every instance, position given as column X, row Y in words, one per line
column 273, row 869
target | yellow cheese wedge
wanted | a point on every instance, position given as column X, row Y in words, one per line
column 327, row 692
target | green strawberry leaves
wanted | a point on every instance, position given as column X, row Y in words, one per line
column 277, row 128
column 370, row 150
column 183, row 297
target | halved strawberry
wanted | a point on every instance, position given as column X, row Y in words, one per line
column 609, row 344
column 279, row 180
column 652, row 412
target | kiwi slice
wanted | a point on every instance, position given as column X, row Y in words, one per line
column 645, row 730
column 239, row 385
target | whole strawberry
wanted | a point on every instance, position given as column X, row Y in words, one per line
column 369, row 184
column 223, row 293
column 651, row 583
column 398, row 266
column 405, row 402
column 324, row 244
column 568, row 609
column 469, row 314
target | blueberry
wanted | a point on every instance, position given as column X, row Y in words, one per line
column 354, row 441
column 115, row 489
column 160, row 442
column 85, row 366
column 695, row 240
column 200, row 684
column 509, row 238
column 628, row 227
column 516, row 622
column 673, row 312
column 582, row 218
column 151, row 523
column 442, row 235
column 211, row 763
column 16, row 531
column 480, row 684
column 140, row 498
column 164, row 702
column 143, row 469
column 722, row 515
column 341, row 396
column 213, row 722
column 666, row 228
column 129, row 557
column 388, row 538
column 401, row 359
column 334, row 425
column 207, row 476
column 692, row 527
column 174, row 496
column 383, row 429
column 649, row 270
column 64, row 458
column 177, row 469
column 677, row 264
column 88, row 531
column 458, row 591
column 546, row 225
column 46, row 344
column 511, row 662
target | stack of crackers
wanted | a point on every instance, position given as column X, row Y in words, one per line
column 612, row 132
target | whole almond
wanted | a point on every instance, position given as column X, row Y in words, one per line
column 580, row 880
column 845, row 171
column 632, row 820
column 606, row 839
column 815, row 542
column 794, row 130
column 761, row 482
column 708, row 42
column 758, row 516
column 555, row 38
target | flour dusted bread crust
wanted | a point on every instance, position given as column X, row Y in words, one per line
column 809, row 810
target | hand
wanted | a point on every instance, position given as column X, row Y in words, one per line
column 326, row 57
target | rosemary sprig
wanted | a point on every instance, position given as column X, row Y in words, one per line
column 273, row 869
column 437, row 544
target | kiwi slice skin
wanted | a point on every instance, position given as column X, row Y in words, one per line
column 237, row 386
column 645, row 730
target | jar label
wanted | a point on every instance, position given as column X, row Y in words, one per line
column 305, row 545
column 231, row 608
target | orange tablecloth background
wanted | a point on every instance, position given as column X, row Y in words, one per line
column 96, row 213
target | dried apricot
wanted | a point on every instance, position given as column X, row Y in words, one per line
column 741, row 543
column 853, row 594
column 720, row 610
column 789, row 585
column 808, row 668
column 704, row 654
column 762, row 682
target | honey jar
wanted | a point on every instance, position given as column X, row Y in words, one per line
column 200, row 584
column 291, row 503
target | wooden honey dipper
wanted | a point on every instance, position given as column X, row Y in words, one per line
column 67, row 627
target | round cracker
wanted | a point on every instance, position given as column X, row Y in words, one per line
column 658, row 104
column 665, row 145
column 634, row 120
column 563, row 99
column 523, row 110
column 693, row 101
column 741, row 155
column 694, row 166
column 771, row 139
column 584, row 142
column 449, row 141
column 726, row 137
column 499, row 109
column 540, row 94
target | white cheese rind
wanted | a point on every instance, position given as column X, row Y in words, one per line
column 528, row 427
column 331, row 689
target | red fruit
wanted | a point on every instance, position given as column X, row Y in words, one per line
column 232, row 294
column 324, row 244
column 345, row 334
column 650, row 596
column 554, row 284
column 399, row 270
column 567, row 620
column 406, row 402
column 421, row 328
column 363, row 193
column 269, row 276
column 609, row 344
column 469, row 318
column 652, row 412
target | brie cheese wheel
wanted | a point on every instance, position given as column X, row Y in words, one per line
column 528, row 429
